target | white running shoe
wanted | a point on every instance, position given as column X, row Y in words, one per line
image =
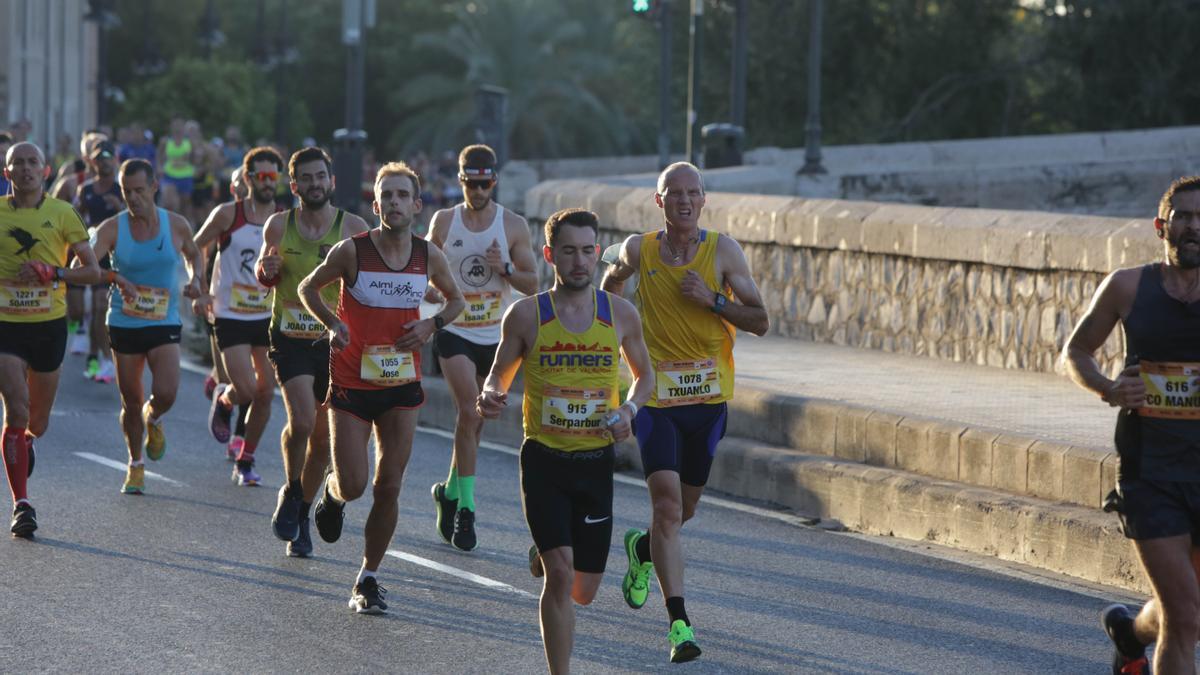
column 108, row 372
column 79, row 343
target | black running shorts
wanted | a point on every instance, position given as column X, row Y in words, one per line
column 41, row 345
column 293, row 357
column 369, row 404
column 1154, row 509
column 142, row 340
column 233, row 332
column 682, row 439
column 568, row 501
column 447, row 344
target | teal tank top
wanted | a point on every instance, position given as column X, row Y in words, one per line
column 152, row 265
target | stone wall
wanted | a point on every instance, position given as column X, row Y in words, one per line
column 997, row 288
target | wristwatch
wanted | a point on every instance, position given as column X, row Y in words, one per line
column 718, row 304
column 508, row 270
column 60, row 273
column 438, row 322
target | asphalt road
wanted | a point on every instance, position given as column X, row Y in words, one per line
column 188, row 578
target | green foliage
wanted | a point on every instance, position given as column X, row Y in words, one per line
column 215, row 93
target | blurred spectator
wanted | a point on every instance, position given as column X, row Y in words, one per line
column 6, row 141
column 20, row 130
column 63, row 152
column 140, row 144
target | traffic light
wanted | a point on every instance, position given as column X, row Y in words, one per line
column 647, row 9
column 642, row 6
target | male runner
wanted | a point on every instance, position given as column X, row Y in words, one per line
column 6, row 141
column 375, row 363
column 568, row 339
column 489, row 253
column 146, row 244
column 36, row 231
column 294, row 243
column 98, row 199
column 66, row 187
column 238, row 189
column 242, row 309
column 685, row 277
column 1158, row 480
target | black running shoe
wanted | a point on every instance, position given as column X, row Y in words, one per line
column 463, row 538
column 24, row 521
column 301, row 546
column 286, row 520
column 367, row 597
column 445, row 508
column 328, row 513
column 1118, row 624
column 29, row 443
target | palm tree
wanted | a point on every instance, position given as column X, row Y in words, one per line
column 550, row 63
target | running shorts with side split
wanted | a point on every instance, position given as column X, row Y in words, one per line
column 447, row 344
column 568, row 501
column 293, row 357
column 682, row 439
column 41, row 345
column 369, row 405
column 142, row 340
column 233, row 332
column 1154, row 509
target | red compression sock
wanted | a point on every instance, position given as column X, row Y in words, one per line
column 16, row 461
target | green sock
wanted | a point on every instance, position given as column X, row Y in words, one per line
column 466, row 492
column 452, row 483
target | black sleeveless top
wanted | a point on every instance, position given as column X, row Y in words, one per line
column 1159, row 328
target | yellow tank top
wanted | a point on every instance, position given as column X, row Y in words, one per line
column 300, row 257
column 571, row 379
column 690, row 346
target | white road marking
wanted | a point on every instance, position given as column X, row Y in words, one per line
column 461, row 574
column 120, row 466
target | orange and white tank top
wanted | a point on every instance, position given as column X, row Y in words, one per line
column 375, row 308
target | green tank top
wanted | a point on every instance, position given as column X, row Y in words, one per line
column 300, row 257
column 179, row 159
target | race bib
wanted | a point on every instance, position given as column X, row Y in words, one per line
column 25, row 299
column 574, row 412
column 150, row 304
column 686, row 382
column 386, row 366
column 249, row 299
column 1172, row 390
column 298, row 323
column 483, row 309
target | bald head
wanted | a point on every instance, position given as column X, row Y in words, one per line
column 676, row 169
column 24, row 149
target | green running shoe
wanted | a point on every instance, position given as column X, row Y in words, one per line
column 683, row 642
column 636, row 584
column 93, row 368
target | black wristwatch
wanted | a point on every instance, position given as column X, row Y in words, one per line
column 508, row 270
column 438, row 322
column 718, row 304
column 60, row 273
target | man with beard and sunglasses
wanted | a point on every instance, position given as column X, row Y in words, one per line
column 375, row 338
column 241, row 307
column 1158, row 430
column 489, row 252
column 294, row 243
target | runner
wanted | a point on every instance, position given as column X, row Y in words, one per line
column 294, row 243
column 38, row 231
column 489, row 252
column 6, row 141
column 1158, row 479
column 375, row 363
column 571, row 416
column 146, row 244
column 242, row 309
column 685, row 279
column 98, row 199
column 238, row 190
column 176, row 169
column 66, row 187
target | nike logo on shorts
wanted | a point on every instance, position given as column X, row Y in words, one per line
column 588, row 520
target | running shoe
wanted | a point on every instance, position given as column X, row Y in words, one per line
column 683, row 642
column 328, row 514
column 1117, row 621
column 234, row 448
column 79, row 340
column 245, row 475
column 210, row 383
column 24, row 521
column 368, row 597
column 301, row 546
column 535, row 562
column 286, row 519
column 219, row 416
column 446, row 508
column 32, row 457
column 135, row 480
column 463, row 538
column 636, row 584
column 107, row 372
column 156, row 440
column 93, row 368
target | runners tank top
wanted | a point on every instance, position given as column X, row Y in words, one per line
column 487, row 293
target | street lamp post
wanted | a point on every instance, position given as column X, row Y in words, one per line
column 357, row 16
column 812, row 128
column 737, row 84
column 695, row 34
column 664, row 84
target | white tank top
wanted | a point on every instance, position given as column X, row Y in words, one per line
column 487, row 293
column 235, row 290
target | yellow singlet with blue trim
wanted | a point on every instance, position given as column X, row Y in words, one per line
column 571, row 379
column 690, row 346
